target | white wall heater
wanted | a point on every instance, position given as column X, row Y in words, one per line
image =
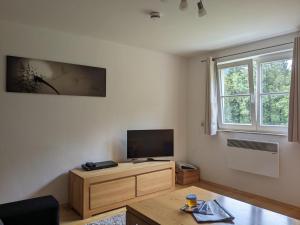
column 254, row 157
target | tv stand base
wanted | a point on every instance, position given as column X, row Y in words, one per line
column 149, row 160
column 94, row 192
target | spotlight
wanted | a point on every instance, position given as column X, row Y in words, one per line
column 201, row 9
column 155, row 15
column 183, row 5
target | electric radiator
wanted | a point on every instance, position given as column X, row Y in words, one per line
column 254, row 157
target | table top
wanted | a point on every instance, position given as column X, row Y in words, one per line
column 164, row 210
column 125, row 167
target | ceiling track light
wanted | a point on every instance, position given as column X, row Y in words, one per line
column 155, row 15
column 183, row 4
column 201, row 10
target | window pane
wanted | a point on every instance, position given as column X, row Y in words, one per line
column 235, row 80
column 237, row 110
column 275, row 109
column 276, row 76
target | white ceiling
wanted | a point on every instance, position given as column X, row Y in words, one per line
column 228, row 22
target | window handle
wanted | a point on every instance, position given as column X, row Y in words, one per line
column 252, row 98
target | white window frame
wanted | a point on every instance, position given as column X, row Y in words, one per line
column 255, row 95
column 259, row 93
column 233, row 126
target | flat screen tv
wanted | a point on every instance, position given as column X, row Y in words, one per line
column 150, row 143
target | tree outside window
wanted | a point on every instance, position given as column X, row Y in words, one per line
column 254, row 94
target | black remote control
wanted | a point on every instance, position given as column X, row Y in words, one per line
column 98, row 165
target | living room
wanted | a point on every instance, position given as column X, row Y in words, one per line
column 158, row 60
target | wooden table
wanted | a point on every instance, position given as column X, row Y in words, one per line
column 164, row 210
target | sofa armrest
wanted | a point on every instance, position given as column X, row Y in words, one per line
column 42, row 210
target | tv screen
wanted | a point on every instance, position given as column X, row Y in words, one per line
column 150, row 143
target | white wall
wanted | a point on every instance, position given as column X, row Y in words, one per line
column 43, row 136
column 209, row 152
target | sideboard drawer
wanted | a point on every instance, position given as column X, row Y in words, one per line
column 107, row 193
column 153, row 182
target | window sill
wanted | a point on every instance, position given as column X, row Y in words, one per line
column 253, row 132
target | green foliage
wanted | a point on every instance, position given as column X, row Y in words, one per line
column 235, row 81
column 237, row 110
column 276, row 76
column 275, row 109
column 275, row 79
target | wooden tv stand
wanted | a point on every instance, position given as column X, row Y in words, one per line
column 94, row 192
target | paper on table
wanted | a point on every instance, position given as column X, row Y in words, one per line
column 217, row 214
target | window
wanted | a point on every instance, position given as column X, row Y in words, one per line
column 254, row 93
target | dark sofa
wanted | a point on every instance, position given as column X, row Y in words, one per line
column 36, row 211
